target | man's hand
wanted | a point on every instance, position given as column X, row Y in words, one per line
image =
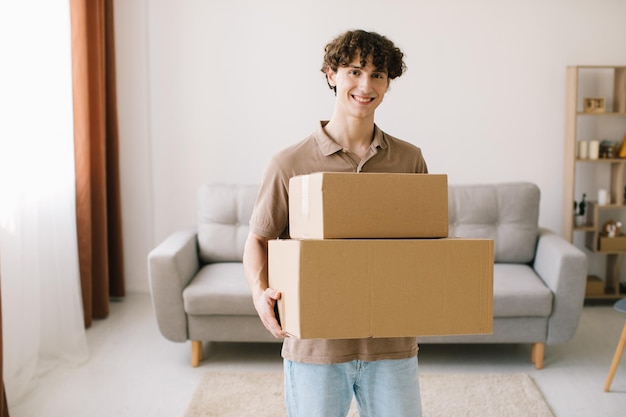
column 264, row 304
column 255, row 268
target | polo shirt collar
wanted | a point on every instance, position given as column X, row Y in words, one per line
column 328, row 146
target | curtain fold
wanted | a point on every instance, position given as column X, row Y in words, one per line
column 42, row 314
column 96, row 143
column 4, row 407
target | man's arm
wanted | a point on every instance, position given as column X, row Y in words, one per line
column 255, row 268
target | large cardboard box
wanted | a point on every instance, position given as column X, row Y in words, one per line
column 356, row 288
column 344, row 205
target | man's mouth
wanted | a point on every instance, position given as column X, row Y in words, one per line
column 362, row 99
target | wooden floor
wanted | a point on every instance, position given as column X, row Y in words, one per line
column 134, row 372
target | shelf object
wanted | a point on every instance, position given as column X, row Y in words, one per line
column 582, row 84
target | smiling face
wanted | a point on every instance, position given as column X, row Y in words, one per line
column 359, row 89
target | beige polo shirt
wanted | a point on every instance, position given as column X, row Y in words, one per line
column 270, row 218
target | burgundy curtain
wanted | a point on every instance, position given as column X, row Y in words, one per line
column 96, row 142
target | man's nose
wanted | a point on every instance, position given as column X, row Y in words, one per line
column 364, row 83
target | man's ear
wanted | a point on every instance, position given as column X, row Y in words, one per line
column 330, row 77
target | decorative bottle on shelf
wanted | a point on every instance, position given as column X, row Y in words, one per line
column 582, row 210
column 582, row 207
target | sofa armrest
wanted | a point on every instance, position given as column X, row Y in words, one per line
column 171, row 265
column 563, row 268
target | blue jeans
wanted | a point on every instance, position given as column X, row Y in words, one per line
column 385, row 388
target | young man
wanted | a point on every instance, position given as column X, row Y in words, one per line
column 322, row 376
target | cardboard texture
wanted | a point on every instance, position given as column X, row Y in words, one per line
column 344, row 205
column 612, row 244
column 359, row 288
column 595, row 286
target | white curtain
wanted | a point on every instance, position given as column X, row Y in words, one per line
column 41, row 305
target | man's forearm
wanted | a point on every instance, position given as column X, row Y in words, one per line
column 255, row 263
column 263, row 297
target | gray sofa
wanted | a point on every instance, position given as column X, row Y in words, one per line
column 199, row 291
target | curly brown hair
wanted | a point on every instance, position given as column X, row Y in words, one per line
column 344, row 48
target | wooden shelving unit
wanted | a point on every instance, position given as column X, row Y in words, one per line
column 609, row 83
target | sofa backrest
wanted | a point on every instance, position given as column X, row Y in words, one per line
column 508, row 213
column 223, row 214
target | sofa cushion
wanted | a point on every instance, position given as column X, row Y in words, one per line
column 224, row 211
column 219, row 289
column 519, row 292
column 508, row 213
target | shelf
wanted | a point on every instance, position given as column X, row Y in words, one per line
column 596, row 290
column 606, row 113
column 611, row 207
column 596, row 67
column 609, row 123
column 605, row 297
column 586, row 228
column 603, row 160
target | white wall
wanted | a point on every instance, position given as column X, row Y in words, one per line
column 209, row 90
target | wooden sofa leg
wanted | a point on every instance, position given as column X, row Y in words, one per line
column 196, row 352
column 536, row 354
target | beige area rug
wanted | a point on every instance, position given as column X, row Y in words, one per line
column 260, row 394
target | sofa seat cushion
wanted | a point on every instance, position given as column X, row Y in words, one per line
column 222, row 289
column 519, row 292
column 219, row 289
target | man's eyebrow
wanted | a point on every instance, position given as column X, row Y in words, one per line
column 384, row 71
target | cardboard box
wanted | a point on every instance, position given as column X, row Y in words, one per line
column 595, row 286
column 612, row 244
column 344, row 205
column 357, row 288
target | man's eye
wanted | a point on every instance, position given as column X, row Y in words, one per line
column 354, row 72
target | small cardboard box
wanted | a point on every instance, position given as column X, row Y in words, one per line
column 612, row 244
column 358, row 288
column 595, row 286
column 344, row 205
